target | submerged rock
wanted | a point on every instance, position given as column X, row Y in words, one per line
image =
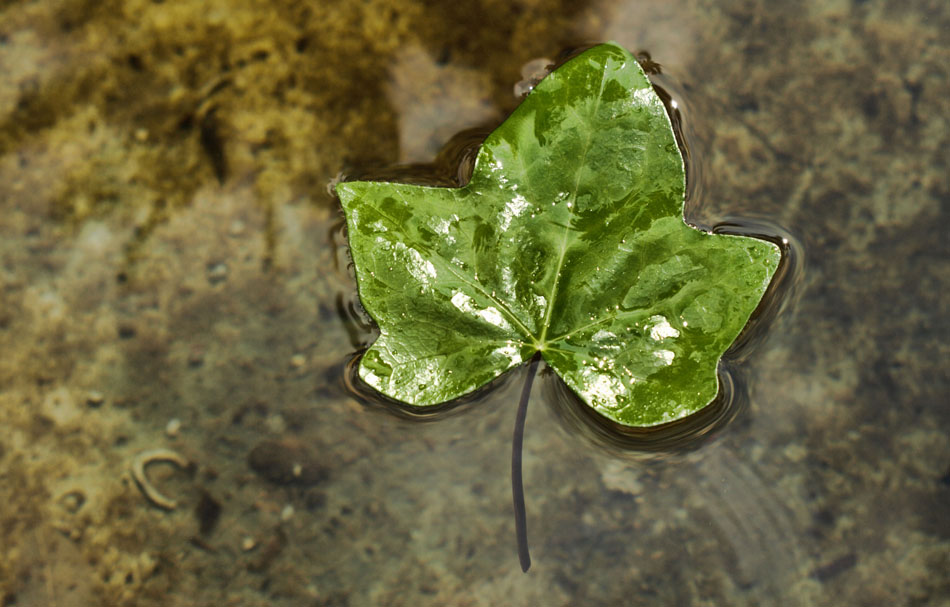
column 286, row 463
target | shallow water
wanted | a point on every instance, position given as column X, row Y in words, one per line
column 168, row 252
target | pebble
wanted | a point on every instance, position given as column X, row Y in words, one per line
column 298, row 360
column 95, row 399
column 73, row 501
column 173, row 427
column 248, row 543
column 217, row 272
column 275, row 424
column 287, row 513
column 196, row 356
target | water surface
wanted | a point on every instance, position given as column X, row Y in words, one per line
column 167, row 252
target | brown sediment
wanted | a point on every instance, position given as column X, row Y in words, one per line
column 103, row 174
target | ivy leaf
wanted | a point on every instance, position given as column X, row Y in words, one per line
column 568, row 241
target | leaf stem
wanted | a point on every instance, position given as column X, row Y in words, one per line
column 517, row 487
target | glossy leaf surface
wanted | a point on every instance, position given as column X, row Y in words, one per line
column 569, row 240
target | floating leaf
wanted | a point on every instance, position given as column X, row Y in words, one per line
column 568, row 241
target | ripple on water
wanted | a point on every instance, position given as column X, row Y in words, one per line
column 453, row 168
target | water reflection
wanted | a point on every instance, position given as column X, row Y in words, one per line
column 452, row 167
column 786, row 286
column 353, row 385
column 641, row 444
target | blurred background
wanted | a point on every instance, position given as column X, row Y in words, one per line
column 172, row 276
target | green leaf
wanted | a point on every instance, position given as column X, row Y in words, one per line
column 569, row 240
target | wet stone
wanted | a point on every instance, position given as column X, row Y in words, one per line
column 208, row 512
column 217, row 273
column 835, row 567
column 286, row 463
column 196, row 356
column 73, row 501
column 270, row 550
